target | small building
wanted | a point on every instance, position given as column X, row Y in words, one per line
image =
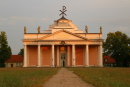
column 108, row 61
column 14, row 61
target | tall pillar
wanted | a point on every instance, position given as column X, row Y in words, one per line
column 57, row 56
column 73, row 55
column 87, row 55
column 53, row 63
column 100, row 56
column 39, row 56
column 25, row 56
column 68, row 55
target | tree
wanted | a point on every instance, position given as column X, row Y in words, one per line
column 5, row 50
column 21, row 52
column 117, row 45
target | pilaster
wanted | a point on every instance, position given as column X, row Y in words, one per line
column 73, row 55
column 57, row 56
column 87, row 56
column 25, row 56
column 68, row 56
column 100, row 56
column 39, row 56
column 53, row 56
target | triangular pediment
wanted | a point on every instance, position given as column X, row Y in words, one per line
column 62, row 35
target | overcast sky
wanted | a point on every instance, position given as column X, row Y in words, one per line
column 112, row 15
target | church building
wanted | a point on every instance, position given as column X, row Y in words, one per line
column 62, row 45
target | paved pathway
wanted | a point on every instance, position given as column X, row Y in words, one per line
column 66, row 78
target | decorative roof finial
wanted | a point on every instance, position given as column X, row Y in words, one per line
column 86, row 29
column 38, row 29
column 101, row 29
column 25, row 29
column 63, row 12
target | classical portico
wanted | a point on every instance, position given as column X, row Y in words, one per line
column 62, row 45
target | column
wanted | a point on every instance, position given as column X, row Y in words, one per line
column 68, row 55
column 39, row 56
column 87, row 55
column 73, row 55
column 57, row 56
column 100, row 56
column 25, row 56
column 53, row 56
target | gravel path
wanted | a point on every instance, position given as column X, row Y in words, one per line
column 66, row 78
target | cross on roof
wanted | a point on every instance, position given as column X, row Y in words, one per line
column 63, row 11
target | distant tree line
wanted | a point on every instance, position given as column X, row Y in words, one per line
column 5, row 50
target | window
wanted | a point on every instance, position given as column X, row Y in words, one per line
column 106, row 59
column 6, row 64
column 62, row 48
column 17, row 64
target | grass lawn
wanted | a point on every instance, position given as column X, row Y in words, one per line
column 104, row 77
column 25, row 77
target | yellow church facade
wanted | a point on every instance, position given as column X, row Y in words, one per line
column 62, row 45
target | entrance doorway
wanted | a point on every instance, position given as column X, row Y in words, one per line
column 11, row 65
column 63, row 59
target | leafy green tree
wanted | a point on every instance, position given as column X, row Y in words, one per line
column 21, row 52
column 117, row 45
column 5, row 50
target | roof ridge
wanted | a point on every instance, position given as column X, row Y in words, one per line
column 49, row 35
column 76, row 35
column 61, row 31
